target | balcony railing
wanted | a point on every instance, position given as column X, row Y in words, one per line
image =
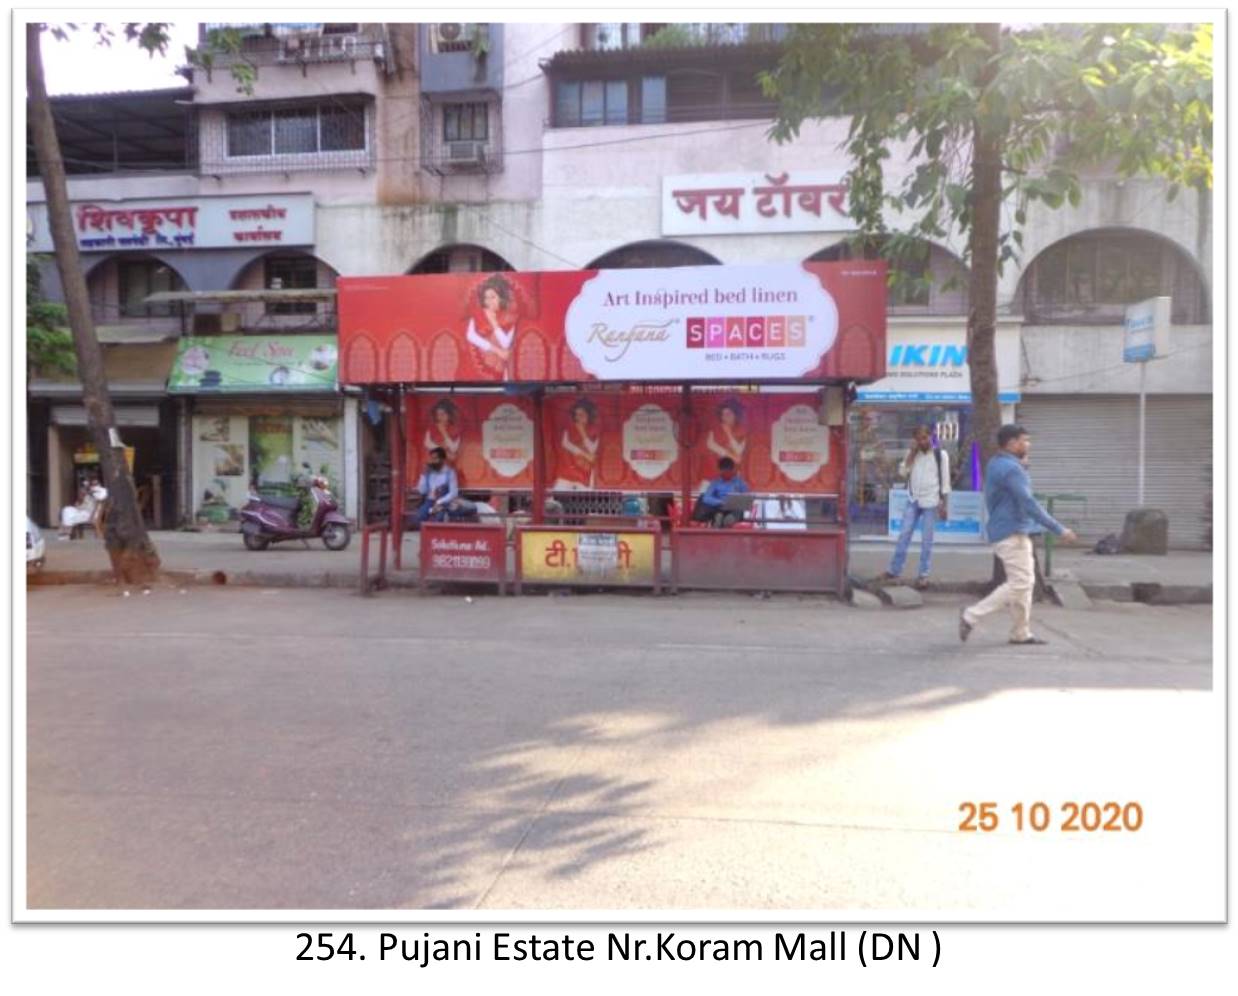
column 306, row 44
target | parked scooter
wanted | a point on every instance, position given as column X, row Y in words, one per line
column 268, row 519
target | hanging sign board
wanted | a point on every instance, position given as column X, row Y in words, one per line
column 1146, row 330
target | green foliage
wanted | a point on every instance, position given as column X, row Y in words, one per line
column 672, row 36
column 222, row 44
column 1132, row 98
column 49, row 344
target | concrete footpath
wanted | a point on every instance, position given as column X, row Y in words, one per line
column 220, row 558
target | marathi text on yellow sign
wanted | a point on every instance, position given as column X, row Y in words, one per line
column 571, row 557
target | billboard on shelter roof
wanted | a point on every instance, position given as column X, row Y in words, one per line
column 769, row 322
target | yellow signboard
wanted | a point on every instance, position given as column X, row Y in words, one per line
column 88, row 454
column 570, row 556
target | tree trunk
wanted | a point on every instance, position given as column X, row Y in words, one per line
column 134, row 558
column 987, row 144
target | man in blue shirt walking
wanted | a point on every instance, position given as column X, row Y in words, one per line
column 1014, row 515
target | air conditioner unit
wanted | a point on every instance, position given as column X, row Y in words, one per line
column 466, row 153
column 451, row 37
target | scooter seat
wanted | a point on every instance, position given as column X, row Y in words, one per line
column 276, row 501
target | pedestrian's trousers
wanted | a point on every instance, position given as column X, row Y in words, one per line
column 1015, row 553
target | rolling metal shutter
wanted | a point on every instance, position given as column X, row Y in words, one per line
column 1089, row 445
column 127, row 416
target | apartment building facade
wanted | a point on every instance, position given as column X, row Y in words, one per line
column 473, row 147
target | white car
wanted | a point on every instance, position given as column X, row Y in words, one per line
column 36, row 548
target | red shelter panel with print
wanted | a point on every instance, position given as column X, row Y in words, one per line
column 488, row 438
column 606, row 441
column 778, row 442
column 787, row 323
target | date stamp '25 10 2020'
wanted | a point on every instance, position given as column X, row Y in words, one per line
column 1072, row 817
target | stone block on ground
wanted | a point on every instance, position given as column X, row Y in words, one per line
column 1069, row 594
column 861, row 599
column 1146, row 530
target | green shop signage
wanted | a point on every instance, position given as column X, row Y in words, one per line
column 254, row 364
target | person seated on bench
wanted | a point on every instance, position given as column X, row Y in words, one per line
column 710, row 507
column 89, row 502
column 438, row 487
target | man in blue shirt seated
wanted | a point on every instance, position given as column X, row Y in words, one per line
column 1014, row 515
column 708, row 507
column 438, row 487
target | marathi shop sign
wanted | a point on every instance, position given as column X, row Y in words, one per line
column 742, row 203
column 254, row 364
column 262, row 221
column 775, row 322
column 589, row 557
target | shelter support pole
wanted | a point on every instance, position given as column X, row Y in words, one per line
column 687, row 440
column 398, row 461
column 539, row 457
column 1143, row 432
column 844, row 488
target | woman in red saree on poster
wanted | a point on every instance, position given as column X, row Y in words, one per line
column 444, row 430
column 492, row 328
column 727, row 438
column 578, row 449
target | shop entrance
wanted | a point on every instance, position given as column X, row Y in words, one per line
column 75, row 461
column 880, row 437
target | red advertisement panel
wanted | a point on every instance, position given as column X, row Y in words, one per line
column 760, row 322
column 488, row 438
column 612, row 442
column 621, row 441
column 778, row 442
column 455, row 552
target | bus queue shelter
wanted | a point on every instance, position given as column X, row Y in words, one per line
column 594, row 404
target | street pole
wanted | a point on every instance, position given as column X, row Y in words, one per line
column 1143, row 424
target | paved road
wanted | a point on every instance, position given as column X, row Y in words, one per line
column 307, row 749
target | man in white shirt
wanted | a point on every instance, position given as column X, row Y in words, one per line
column 928, row 480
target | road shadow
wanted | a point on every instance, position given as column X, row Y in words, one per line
column 230, row 749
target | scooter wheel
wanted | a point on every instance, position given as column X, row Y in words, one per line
column 255, row 541
column 335, row 536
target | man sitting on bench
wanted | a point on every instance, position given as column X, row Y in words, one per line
column 712, row 507
column 438, row 488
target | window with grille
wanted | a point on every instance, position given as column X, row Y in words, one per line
column 291, row 273
column 679, row 95
column 466, row 122
column 141, row 277
column 591, row 102
column 308, row 129
column 1090, row 279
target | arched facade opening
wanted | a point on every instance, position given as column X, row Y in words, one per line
column 652, row 253
column 461, row 258
column 286, row 269
column 934, row 280
column 1090, row 278
column 119, row 285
